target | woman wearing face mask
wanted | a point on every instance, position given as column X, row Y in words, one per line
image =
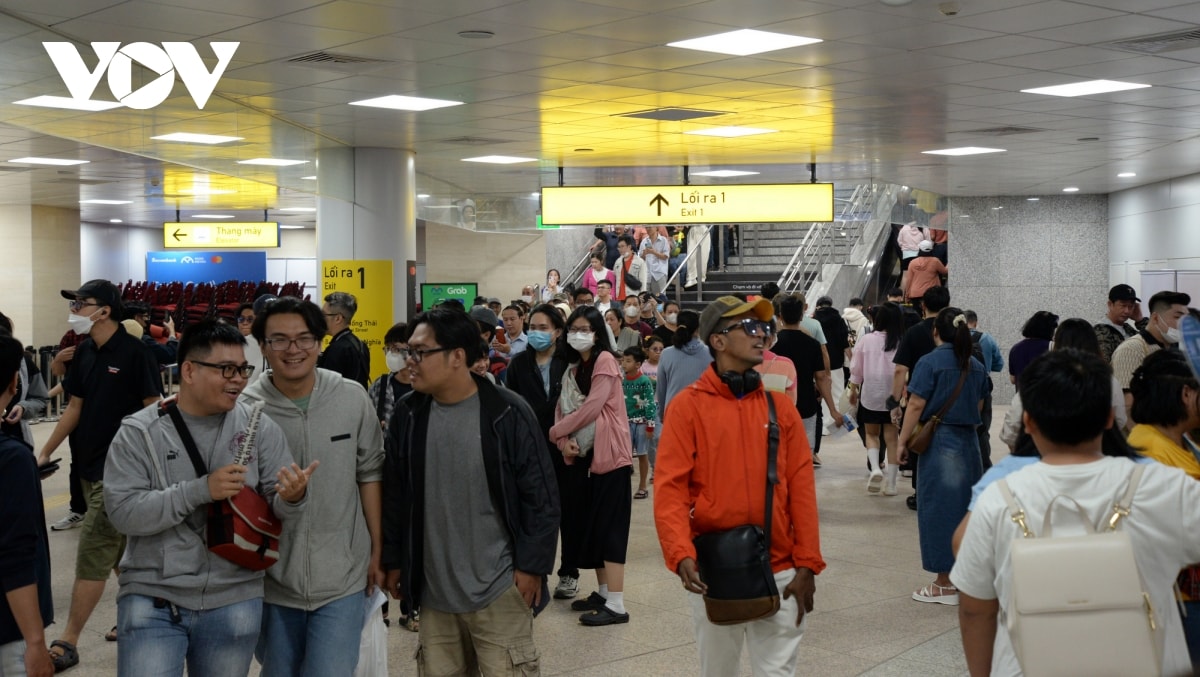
column 625, row 337
column 669, row 322
column 551, row 288
column 632, row 313
column 537, row 376
column 591, row 427
column 398, row 381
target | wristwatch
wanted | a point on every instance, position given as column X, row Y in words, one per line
column 892, row 402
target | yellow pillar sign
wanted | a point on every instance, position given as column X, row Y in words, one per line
column 371, row 284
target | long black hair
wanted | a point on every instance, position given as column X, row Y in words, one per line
column 583, row 374
column 951, row 327
column 1078, row 334
column 689, row 324
column 890, row 320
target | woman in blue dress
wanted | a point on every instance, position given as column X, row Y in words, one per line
column 952, row 463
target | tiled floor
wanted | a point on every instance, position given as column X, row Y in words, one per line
column 864, row 623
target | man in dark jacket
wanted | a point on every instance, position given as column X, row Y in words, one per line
column 346, row 353
column 471, row 510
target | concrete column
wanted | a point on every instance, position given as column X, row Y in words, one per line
column 41, row 255
column 366, row 209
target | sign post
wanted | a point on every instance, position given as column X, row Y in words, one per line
column 371, row 284
column 662, row 205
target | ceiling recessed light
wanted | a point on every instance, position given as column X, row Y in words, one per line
column 68, row 103
column 188, row 137
column 995, row 208
column 476, row 35
column 115, row 221
column 283, row 227
column 297, row 209
column 499, row 159
column 744, row 42
column 965, row 150
column 58, row 162
column 1126, row 175
column 308, row 178
column 1032, row 199
column 104, row 202
column 423, row 195
column 272, row 162
column 1071, row 189
column 731, row 132
column 411, row 103
column 1085, row 88
column 212, row 216
column 724, row 173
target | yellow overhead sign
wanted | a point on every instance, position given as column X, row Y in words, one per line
column 244, row 235
column 651, row 205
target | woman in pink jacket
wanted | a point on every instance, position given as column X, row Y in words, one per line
column 595, row 273
column 591, row 426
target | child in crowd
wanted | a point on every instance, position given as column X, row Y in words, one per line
column 642, row 412
column 654, row 347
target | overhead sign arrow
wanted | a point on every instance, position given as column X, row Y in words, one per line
column 661, row 201
column 178, row 235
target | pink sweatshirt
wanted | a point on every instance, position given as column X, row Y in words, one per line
column 910, row 238
column 605, row 404
column 873, row 369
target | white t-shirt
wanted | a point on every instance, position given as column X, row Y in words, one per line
column 1163, row 524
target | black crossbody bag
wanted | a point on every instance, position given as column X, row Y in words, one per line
column 735, row 564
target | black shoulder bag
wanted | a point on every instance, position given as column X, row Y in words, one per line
column 736, row 564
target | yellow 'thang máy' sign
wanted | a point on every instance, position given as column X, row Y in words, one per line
column 371, row 284
column 650, row 205
column 244, row 235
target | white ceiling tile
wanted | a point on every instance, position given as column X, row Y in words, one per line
column 1107, row 30
column 153, row 16
column 1028, row 18
column 553, row 15
column 992, row 49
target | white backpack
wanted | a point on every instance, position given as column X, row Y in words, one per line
column 1078, row 604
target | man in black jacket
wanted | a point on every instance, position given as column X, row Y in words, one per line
column 471, row 509
column 346, row 353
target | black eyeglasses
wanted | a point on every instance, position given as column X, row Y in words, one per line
column 417, row 355
column 281, row 343
column 228, row 371
column 242, row 319
column 78, row 305
column 751, row 326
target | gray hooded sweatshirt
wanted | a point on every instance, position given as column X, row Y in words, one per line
column 153, row 496
column 679, row 368
column 324, row 555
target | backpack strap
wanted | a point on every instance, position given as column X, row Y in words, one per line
column 1016, row 513
column 1122, row 507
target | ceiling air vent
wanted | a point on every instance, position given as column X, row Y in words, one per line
column 81, row 182
column 1159, row 44
column 1003, row 131
column 338, row 62
column 474, row 141
column 672, row 114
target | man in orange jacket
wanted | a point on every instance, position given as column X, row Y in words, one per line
column 711, row 476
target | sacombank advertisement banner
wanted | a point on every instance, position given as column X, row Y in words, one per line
column 205, row 266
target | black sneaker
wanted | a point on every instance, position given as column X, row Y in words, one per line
column 603, row 616
column 911, row 501
column 593, row 602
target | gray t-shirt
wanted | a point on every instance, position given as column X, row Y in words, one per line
column 468, row 557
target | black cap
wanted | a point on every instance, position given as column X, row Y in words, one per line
column 1123, row 292
column 105, row 293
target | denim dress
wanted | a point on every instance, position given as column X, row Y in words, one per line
column 952, row 464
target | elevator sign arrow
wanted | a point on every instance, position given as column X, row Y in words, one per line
column 653, row 205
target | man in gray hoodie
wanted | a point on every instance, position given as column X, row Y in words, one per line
column 313, row 616
column 179, row 602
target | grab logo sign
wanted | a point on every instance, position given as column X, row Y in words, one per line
column 117, row 62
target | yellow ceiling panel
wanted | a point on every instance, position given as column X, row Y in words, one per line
column 665, row 99
column 598, row 92
column 605, row 108
column 738, row 90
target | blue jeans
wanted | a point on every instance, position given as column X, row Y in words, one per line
column 319, row 643
column 212, row 642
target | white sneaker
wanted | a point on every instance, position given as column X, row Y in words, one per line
column 889, row 485
column 567, row 588
column 875, row 482
column 71, row 521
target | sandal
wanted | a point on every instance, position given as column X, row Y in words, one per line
column 642, row 493
column 603, row 616
column 111, row 635
column 66, row 660
column 937, row 594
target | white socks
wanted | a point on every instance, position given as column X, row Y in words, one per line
column 889, row 479
column 873, row 460
column 604, row 590
column 616, row 601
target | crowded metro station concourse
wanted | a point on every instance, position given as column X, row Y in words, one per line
column 352, row 338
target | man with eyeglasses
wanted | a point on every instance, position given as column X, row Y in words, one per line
column 111, row 376
column 179, row 602
column 711, row 476
column 346, row 353
column 254, row 357
column 329, row 556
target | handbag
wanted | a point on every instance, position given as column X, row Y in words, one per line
column 1078, row 604
column 922, row 434
column 632, row 282
column 242, row 528
column 736, row 563
column 569, row 400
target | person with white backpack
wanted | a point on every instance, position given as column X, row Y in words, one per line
column 1068, row 565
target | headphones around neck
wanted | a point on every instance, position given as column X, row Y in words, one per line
column 742, row 383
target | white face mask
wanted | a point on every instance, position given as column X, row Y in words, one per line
column 631, row 312
column 1171, row 334
column 80, row 324
column 671, row 317
column 395, row 361
column 527, row 299
column 581, row 341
